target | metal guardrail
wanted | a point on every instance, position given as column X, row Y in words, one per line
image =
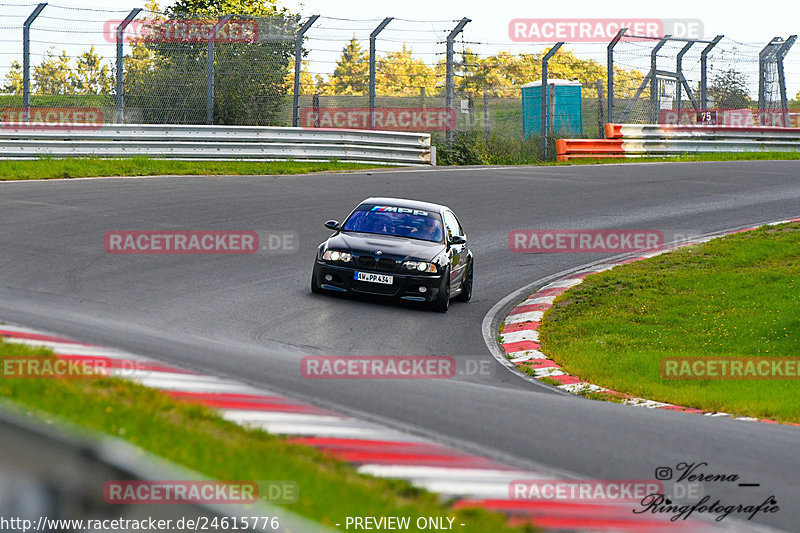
column 636, row 140
column 678, row 131
column 47, row 472
column 254, row 143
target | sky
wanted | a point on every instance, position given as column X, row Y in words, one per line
column 739, row 21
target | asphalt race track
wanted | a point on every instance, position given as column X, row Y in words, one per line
column 253, row 317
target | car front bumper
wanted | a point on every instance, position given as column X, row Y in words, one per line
column 417, row 288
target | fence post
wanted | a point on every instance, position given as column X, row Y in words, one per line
column 679, row 76
column 210, row 69
column 704, row 72
column 610, row 71
column 654, row 102
column 26, row 61
column 449, row 83
column 543, row 119
column 315, row 109
column 600, row 122
column 298, row 58
column 782, row 51
column 471, row 109
column 486, row 125
column 763, row 55
column 372, row 53
column 762, row 75
column 120, row 65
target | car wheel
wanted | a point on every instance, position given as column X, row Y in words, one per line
column 315, row 288
column 466, row 286
column 442, row 301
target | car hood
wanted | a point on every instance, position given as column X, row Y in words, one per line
column 399, row 248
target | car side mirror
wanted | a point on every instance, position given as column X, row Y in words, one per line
column 333, row 225
column 458, row 239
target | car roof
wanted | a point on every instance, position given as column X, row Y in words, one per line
column 401, row 202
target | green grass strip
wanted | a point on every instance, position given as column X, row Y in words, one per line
column 735, row 296
column 200, row 439
column 50, row 168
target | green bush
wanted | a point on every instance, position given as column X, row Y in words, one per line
column 471, row 148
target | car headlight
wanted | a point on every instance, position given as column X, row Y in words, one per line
column 335, row 255
column 420, row 266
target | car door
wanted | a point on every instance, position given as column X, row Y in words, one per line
column 457, row 252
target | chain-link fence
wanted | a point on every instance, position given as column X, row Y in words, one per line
column 142, row 66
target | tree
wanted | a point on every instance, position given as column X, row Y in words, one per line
column 90, row 76
column 729, row 90
column 307, row 83
column 216, row 8
column 399, row 74
column 503, row 74
column 13, row 83
column 351, row 75
column 169, row 84
column 53, row 75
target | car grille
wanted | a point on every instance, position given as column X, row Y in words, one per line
column 373, row 288
column 383, row 264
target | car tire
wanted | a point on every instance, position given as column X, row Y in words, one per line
column 466, row 285
column 315, row 288
column 442, row 301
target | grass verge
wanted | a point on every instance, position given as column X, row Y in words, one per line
column 734, row 296
column 198, row 438
column 50, row 168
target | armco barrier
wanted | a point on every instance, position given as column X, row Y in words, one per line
column 50, row 472
column 637, row 140
column 254, row 143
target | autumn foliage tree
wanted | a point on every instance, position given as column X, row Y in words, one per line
column 351, row 75
column 59, row 74
column 399, row 73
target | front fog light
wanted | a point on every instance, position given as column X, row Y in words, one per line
column 423, row 289
column 328, row 277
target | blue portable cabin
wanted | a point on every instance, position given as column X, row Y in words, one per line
column 568, row 115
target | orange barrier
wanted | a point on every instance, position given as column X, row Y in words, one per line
column 673, row 131
column 662, row 140
column 588, row 148
column 613, row 131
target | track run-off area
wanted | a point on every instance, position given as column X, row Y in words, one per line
column 252, row 317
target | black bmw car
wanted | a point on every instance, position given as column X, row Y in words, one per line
column 404, row 249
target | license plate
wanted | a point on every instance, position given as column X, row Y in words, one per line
column 374, row 278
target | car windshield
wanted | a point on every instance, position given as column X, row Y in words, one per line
column 397, row 221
